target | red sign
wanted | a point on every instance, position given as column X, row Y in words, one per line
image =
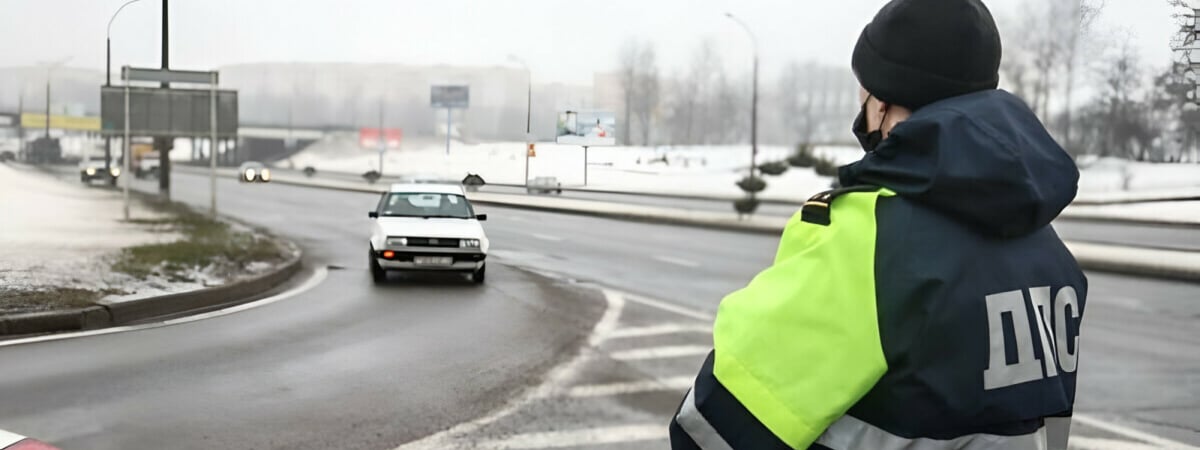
column 369, row 138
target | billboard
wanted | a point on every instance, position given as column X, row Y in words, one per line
column 167, row 112
column 587, row 128
column 369, row 138
column 450, row 96
column 80, row 123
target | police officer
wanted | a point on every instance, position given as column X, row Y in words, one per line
column 928, row 303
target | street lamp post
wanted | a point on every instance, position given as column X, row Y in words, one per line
column 753, row 99
column 50, row 66
column 108, row 77
column 528, row 110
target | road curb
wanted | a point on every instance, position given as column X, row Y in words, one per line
column 1107, row 218
column 103, row 316
column 1156, row 263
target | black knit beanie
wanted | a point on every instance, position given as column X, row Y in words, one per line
column 916, row 52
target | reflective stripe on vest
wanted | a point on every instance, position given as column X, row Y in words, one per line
column 851, row 433
column 696, row 426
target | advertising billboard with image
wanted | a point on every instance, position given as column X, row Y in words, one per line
column 587, row 128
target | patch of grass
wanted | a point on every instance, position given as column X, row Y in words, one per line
column 14, row 301
column 206, row 241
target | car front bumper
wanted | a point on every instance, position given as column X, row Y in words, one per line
column 464, row 261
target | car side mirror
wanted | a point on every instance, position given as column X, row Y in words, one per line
column 373, row 214
column 481, row 217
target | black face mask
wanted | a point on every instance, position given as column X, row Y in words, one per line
column 868, row 139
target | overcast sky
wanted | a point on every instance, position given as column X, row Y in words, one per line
column 562, row 40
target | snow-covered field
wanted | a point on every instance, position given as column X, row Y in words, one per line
column 56, row 234
column 696, row 170
column 680, row 170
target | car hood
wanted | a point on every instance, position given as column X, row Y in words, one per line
column 439, row 228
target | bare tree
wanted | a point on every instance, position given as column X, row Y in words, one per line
column 1083, row 15
column 647, row 87
column 638, row 71
column 627, row 71
column 798, row 92
column 693, row 115
column 1121, row 80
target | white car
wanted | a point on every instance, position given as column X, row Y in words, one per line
column 427, row 228
column 544, row 185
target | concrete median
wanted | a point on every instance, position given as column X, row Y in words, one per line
column 1172, row 264
column 131, row 311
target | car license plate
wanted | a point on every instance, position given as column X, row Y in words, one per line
column 433, row 260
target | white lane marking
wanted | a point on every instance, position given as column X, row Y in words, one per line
column 546, row 237
column 1087, row 443
column 679, row 384
column 608, row 321
column 671, row 307
column 614, row 305
column 670, row 351
column 8, row 438
column 1130, row 432
column 658, row 330
column 317, row 277
column 578, row 438
column 678, row 261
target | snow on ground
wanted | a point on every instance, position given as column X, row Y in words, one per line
column 1115, row 175
column 695, row 170
column 55, row 234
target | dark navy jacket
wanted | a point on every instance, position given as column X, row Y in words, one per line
column 978, row 181
column 978, row 300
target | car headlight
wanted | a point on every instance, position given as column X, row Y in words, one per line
column 249, row 174
column 265, row 175
column 397, row 242
column 469, row 243
column 115, row 171
column 91, row 171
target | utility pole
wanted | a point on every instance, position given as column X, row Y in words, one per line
column 212, row 150
column 47, row 103
column 382, row 138
column 163, row 145
column 108, row 76
column 753, row 100
column 528, row 111
column 20, row 114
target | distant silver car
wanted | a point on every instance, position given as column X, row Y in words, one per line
column 544, row 185
column 254, row 172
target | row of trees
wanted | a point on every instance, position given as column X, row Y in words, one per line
column 705, row 104
column 1089, row 86
column 1055, row 48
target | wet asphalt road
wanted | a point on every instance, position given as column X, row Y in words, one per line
column 351, row 365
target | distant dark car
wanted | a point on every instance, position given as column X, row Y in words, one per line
column 254, row 172
column 90, row 170
column 6, row 156
column 473, row 182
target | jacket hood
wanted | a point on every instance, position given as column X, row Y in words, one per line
column 982, row 158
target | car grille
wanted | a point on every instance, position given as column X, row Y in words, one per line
column 433, row 242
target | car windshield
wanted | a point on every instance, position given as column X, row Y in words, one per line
column 426, row 205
